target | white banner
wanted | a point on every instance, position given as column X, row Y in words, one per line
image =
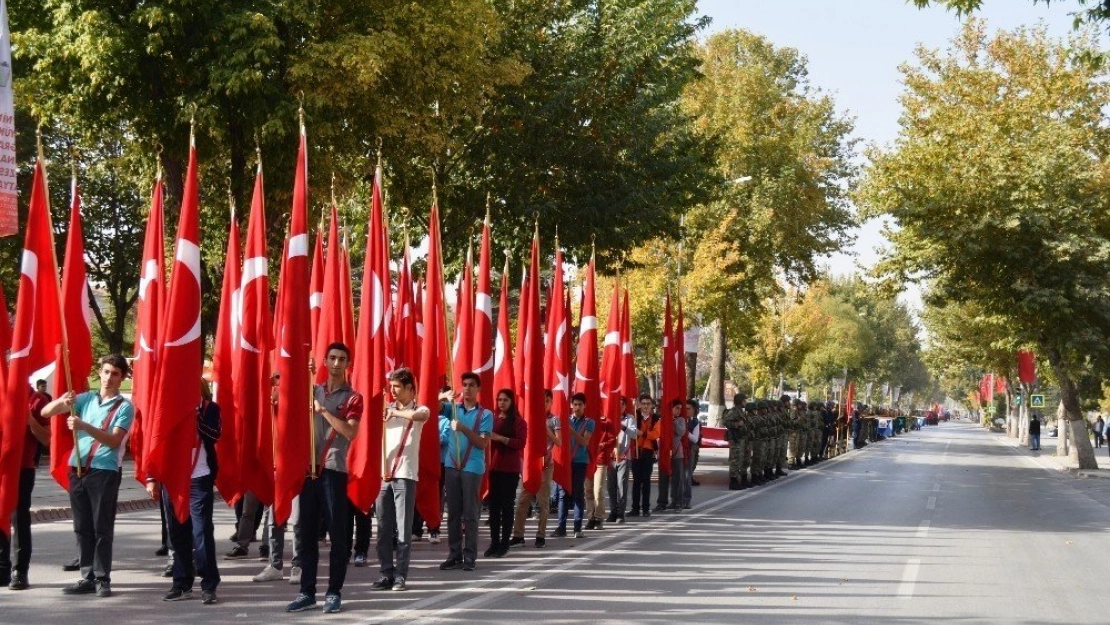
column 9, row 220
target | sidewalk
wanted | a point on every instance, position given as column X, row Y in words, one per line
column 50, row 502
column 1047, row 456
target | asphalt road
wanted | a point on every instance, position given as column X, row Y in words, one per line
column 950, row 524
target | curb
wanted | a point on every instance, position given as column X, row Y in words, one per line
column 49, row 515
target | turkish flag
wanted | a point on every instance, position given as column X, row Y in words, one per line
column 610, row 383
column 316, row 286
column 503, row 377
column 364, row 462
column 522, row 325
column 681, row 383
column 330, row 328
column 407, row 344
column 531, row 356
column 36, row 339
column 292, row 350
column 666, row 423
column 152, row 297
column 464, row 322
column 224, row 358
column 75, row 308
column 481, row 360
column 5, row 334
column 1027, row 368
column 346, row 295
column 255, row 411
column 432, row 376
column 176, row 393
column 585, row 363
column 630, row 387
column 557, row 369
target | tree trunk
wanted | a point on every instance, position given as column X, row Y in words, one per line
column 1077, row 424
column 1062, row 431
column 1011, row 415
column 716, row 391
column 1023, row 416
column 691, row 373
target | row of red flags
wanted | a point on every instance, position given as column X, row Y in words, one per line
column 265, row 447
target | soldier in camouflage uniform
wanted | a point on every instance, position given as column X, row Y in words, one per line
column 747, row 473
column 758, row 424
column 798, row 434
column 736, row 427
column 816, row 429
column 782, row 437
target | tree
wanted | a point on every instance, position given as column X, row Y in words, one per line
column 1094, row 11
column 998, row 182
column 780, row 180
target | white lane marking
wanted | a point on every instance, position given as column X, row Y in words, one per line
column 931, row 504
column 909, row 578
column 923, row 529
column 936, row 488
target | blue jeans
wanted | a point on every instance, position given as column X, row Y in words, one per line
column 195, row 537
column 577, row 497
column 1035, row 439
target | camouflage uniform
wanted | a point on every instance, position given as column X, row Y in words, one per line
column 736, row 426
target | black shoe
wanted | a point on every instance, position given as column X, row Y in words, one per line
column 19, row 582
column 178, row 594
column 647, row 512
column 744, row 483
column 162, row 551
column 592, row 524
column 83, row 587
column 208, row 597
column 734, row 484
column 634, row 513
column 659, row 508
column 491, row 550
column 75, row 565
column 541, row 542
column 235, row 537
column 695, row 483
column 780, row 473
column 560, row 532
column 449, row 564
column 612, row 518
column 502, row 551
column 238, row 553
column 516, row 540
column 103, row 590
column 382, row 584
column 263, row 552
column 360, row 560
column 468, row 565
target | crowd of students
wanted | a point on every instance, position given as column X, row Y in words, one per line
column 476, row 445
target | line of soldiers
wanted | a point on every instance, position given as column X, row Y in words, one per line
column 766, row 437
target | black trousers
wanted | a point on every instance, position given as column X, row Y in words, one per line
column 618, row 488
column 362, row 530
column 502, row 506
column 324, row 505
column 194, row 541
column 641, row 480
column 93, row 498
column 21, row 529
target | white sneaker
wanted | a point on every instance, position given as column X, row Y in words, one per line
column 268, row 574
column 433, row 537
column 295, row 576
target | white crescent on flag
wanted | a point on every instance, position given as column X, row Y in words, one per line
column 188, row 255
column 30, row 269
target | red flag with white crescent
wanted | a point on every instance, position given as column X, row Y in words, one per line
column 585, row 363
column 481, row 361
column 347, row 315
column 292, row 350
column 316, row 285
column 464, row 322
column 666, row 423
column 531, row 351
column 176, row 395
column 557, row 368
column 522, row 328
column 630, row 387
column 407, row 344
column 36, row 338
column 151, row 305
column 432, row 376
column 224, row 358
column 364, row 462
column 252, row 367
column 502, row 355
column 75, row 308
column 330, row 328
column 609, row 386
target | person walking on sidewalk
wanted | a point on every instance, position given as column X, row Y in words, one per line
column 194, row 539
column 1034, row 432
column 397, row 497
column 100, row 421
column 37, row 437
column 337, row 409
column 1099, row 428
column 542, row 496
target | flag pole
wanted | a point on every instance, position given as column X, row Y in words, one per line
column 378, row 177
column 273, row 417
column 311, row 360
column 447, row 329
column 64, row 347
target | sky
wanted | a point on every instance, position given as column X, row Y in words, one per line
column 854, row 48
